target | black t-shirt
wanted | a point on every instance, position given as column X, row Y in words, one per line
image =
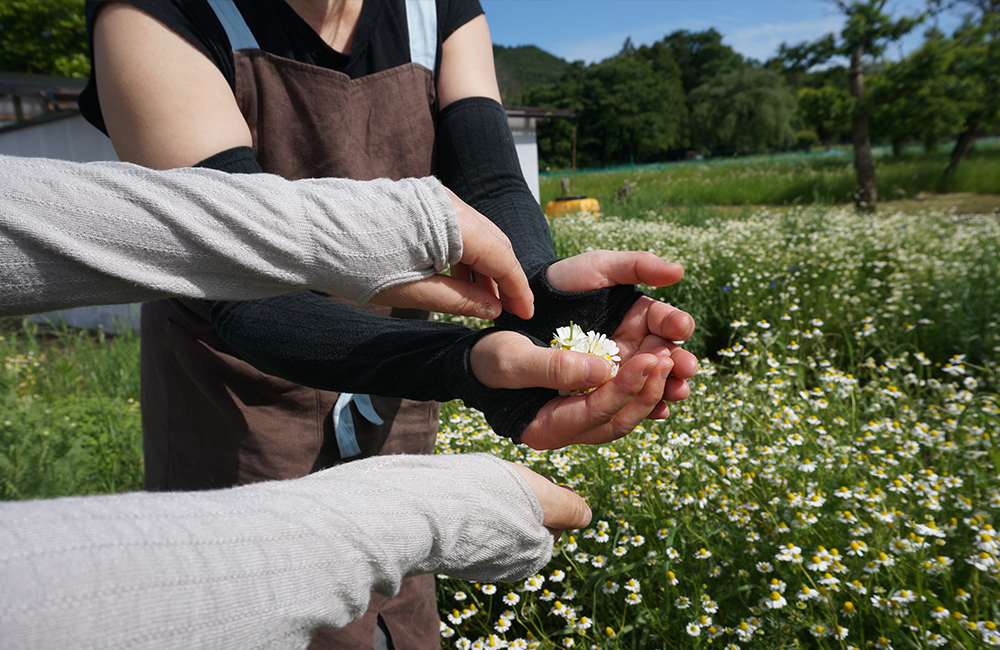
column 380, row 41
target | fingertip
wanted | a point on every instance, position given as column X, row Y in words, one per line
column 597, row 371
column 488, row 310
column 677, row 269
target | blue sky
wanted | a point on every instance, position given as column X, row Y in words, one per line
column 592, row 30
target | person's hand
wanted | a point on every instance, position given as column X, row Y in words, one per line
column 653, row 368
column 487, row 279
column 562, row 508
column 649, row 324
column 505, row 359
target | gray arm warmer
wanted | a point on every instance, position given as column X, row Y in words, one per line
column 103, row 233
column 259, row 566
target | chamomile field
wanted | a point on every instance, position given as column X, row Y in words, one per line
column 831, row 482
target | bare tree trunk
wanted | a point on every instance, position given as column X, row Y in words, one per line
column 866, row 196
column 963, row 145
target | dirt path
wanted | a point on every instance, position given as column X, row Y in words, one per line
column 962, row 202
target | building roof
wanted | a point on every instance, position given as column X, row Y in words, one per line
column 26, row 98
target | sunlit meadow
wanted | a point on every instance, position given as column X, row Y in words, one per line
column 830, row 483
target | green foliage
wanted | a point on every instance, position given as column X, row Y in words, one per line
column 44, row 37
column 870, row 27
column 701, row 56
column 916, row 98
column 745, row 111
column 831, row 481
column 521, row 68
column 631, row 108
column 827, row 111
column 977, row 49
column 69, row 416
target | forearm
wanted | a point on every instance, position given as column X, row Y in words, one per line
column 260, row 565
column 478, row 161
column 311, row 340
column 317, row 342
column 100, row 233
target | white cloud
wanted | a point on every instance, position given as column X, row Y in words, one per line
column 761, row 42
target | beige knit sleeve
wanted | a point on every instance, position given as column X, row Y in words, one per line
column 107, row 233
column 261, row 565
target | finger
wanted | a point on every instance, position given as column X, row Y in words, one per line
column 660, row 412
column 443, row 294
column 599, row 269
column 676, row 389
column 509, row 280
column 510, row 360
column 632, row 414
column 605, row 414
column 562, row 509
column 685, row 363
column 661, row 319
column 487, row 250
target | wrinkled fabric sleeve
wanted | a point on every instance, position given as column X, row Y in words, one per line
column 262, row 565
column 105, row 233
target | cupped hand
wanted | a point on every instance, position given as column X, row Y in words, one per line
column 505, row 359
column 649, row 324
column 562, row 508
column 488, row 277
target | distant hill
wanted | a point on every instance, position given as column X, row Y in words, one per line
column 523, row 67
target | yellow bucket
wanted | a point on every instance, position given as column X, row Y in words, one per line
column 572, row 205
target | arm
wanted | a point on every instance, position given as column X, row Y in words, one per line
column 266, row 564
column 103, row 233
column 477, row 160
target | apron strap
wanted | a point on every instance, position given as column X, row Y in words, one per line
column 240, row 36
column 421, row 23
column 343, row 422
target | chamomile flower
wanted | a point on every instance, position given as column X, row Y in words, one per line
column 572, row 337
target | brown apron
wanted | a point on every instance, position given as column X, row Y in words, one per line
column 211, row 420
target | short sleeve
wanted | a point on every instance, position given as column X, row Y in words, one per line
column 456, row 13
column 192, row 20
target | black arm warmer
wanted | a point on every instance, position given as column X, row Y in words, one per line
column 318, row 342
column 477, row 159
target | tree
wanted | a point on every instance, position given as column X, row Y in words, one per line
column 827, row 111
column 867, row 33
column 748, row 111
column 631, row 109
column 44, row 37
column 700, row 56
column 976, row 58
column 917, row 97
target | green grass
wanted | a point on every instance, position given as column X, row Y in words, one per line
column 779, row 180
column 69, row 413
column 847, row 405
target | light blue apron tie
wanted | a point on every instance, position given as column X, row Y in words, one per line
column 421, row 23
column 343, row 423
column 240, row 36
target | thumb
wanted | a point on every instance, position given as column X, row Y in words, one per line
column 510, row 360
column 562, row 508
column 443, row 294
